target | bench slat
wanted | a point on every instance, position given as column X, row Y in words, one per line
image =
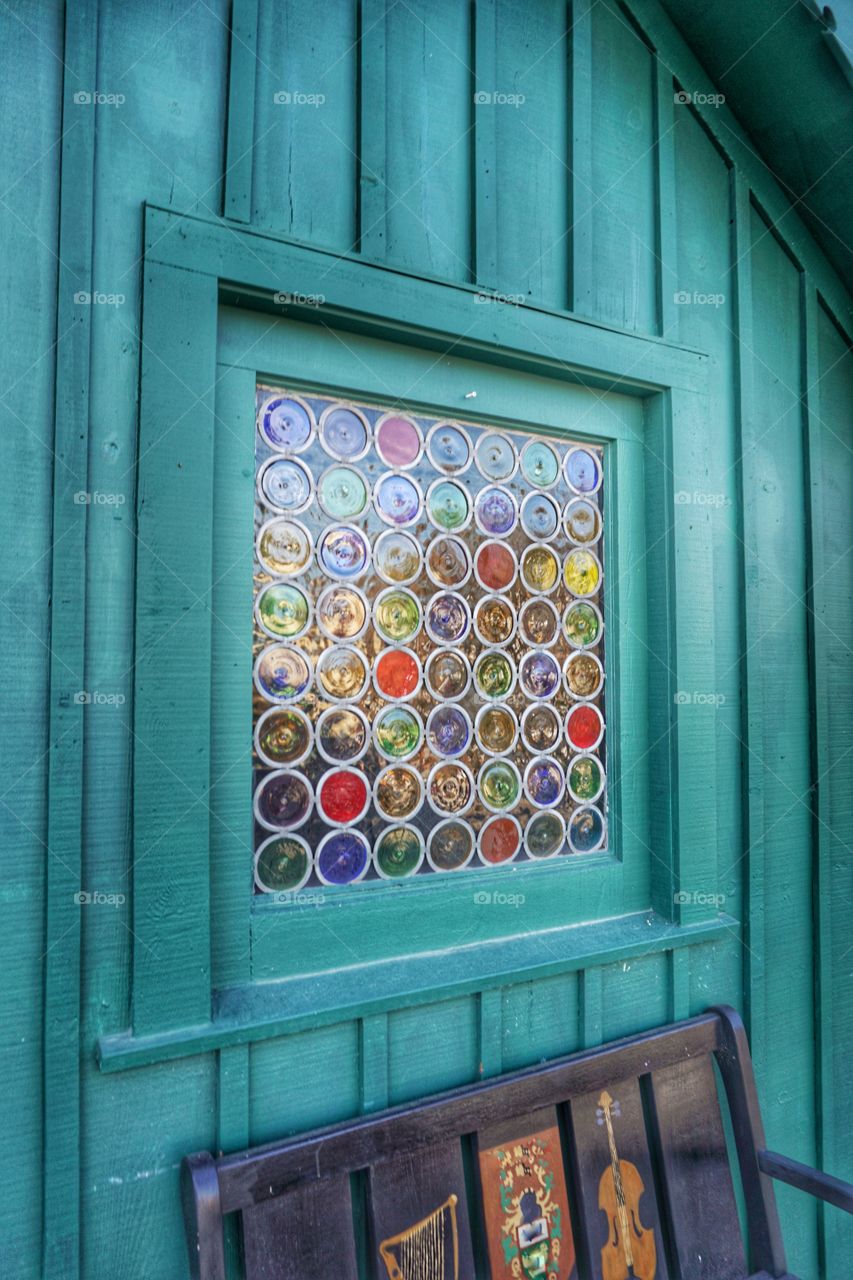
column 419, row 1215
column 306, row 1232
column 694, row 1163
column 522, row 1175
column 596, row 1185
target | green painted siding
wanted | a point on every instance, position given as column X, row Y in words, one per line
column 594, row 195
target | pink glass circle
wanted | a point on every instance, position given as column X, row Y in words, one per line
column 398, row 442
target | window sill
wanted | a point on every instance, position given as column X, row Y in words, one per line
column 264, row 1010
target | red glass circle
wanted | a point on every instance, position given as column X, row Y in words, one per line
column 495, row 566
column 583, row 727
column 343, row 795
column 499, row 840
column 397, row 674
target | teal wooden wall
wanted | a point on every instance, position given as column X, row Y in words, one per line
column 598, row 196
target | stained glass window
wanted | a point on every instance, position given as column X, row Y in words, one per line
column 429, row 645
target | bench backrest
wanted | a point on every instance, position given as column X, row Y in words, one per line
column 613, row 1160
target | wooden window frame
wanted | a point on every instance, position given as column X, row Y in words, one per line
column 201, row 946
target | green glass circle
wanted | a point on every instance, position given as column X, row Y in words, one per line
column 448, row 506
column 581, row 625
column 342, row 493
column 539, row 464
column 398, row 852
column 494, row 675
column 544, row 835
column 283, row 864
column 398, row 732
column 397, row 615
column 499, row 785
column 283, row 610
column 585, row 778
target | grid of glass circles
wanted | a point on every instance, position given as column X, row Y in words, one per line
column 428, row 667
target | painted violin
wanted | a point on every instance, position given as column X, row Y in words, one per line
column 630, row 1252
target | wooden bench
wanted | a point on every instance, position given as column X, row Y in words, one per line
column 610, row 1163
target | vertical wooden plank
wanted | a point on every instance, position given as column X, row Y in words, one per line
column 372, row 192
column 694, row 1163
column 781, row 842
column 525, row 1204
column 239, row 143
column 623, row 173
column 830, row 483
column 373, row 1057
column 528, row 100
column 171, row 732
column 428, row 137
column 582, row 191
column 678, row 963
column 608, row 1129
column 485, row 204
column 305, row 1232
column 695, row 696
column 491, row 1031
column 418, row 1211
column 666, row 243
column 751, row 719
column 306, row 127
column 231, row 836
column 590, row 1010
column 61, row 1203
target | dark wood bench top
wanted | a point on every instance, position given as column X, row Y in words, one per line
column 608, row 1164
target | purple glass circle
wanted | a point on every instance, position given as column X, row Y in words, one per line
column 398, row 442
column 448, row 731
column 448, row 618
column 544, row 782
column 496, row 511
column 539, row 674
column 284, row 800
column 342, row 857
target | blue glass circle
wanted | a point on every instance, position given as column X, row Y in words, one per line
column 582, row 471
column 343, row 433
column 448, row 448
column 398, row 499
column 495, row 456
column 586, row 829
column 342, row 857
column 286, row 485
column 343, row 552
column 285, row 423
column 540, row 516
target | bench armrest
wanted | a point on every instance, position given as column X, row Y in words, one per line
column 823, row 1185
